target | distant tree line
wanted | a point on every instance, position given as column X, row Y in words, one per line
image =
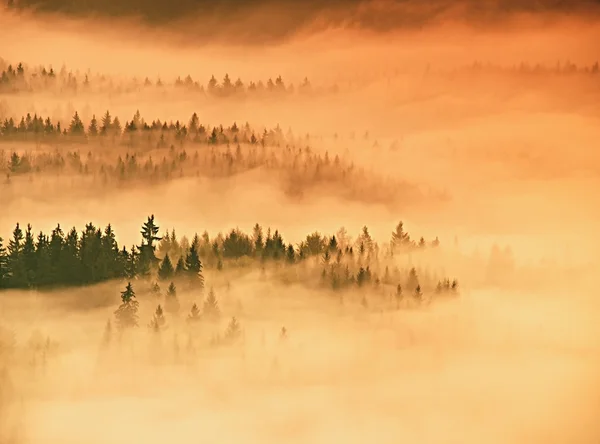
column 162, row 151
column 25, row 79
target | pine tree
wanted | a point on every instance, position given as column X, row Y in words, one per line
column 126, row 315
column 171, row 302
column 233, row 331
column 93, row 128
column 166, row 270
column 4, row 273
column 194, row 315
column 147, row 258
column 16, row 263
column 180, row 267
column 211, row 306
column 413, row 280
column 158, row 321
column 29, row 258
column 116, row 127
column 131, row 262
column 106, row 123
column 76, row 128
column 193, row 263
column 400, row 239
column 291, row 254
column 418, row 294
column 155, row 289
column 44, row 274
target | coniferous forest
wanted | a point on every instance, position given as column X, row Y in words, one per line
column 264, row 223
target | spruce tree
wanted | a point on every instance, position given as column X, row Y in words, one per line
column 171, row 302
column 76, row 128
column 106, row 123
column 211, row 306
column 193, row 263
column 16, row 262
column 4, row 273
column 194, row 315
column 233, row 331
column 165, row 270
column 147, row 258
column 44, row 274
column 93, row 128
column 127, row 313
column 158, row 321
column 180, row 267
column 131, row 264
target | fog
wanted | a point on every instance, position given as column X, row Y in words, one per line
column 475, row 127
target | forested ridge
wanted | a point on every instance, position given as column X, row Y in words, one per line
column 93, row 255
column 158, row 151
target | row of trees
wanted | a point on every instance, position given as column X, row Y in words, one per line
column 37, row 127
column 94, row 255
column 22, row 78
column 562, row 68
column 77, row 259
column 232, row 150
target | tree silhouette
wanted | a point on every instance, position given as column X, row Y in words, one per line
column 233, row 331
column 211, row 306
column 76, row 128
column 127, row 313
column 93, row 128
column 171, row 302
column 158, row 321
column 166, row 271
column 4, row 272
column 194, row 315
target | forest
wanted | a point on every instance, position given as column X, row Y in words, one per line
column 156, row 152
column 92, row 256
column 299, row 223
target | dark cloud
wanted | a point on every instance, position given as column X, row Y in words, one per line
column 247, row 21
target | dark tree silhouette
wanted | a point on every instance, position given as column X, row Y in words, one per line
column 127, row 313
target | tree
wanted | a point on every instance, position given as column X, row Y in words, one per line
column 400, row 238
column 116, row 126
column 418, row 294
column 193, row 264
column 106, row 123
column 194, row 315
column 171, row 302
column 29, row 258
column 93, row 128
column 147, row 258
column 233, row 331
column 76, row 128
column 180, row 267
column 158, row 320
column 211, row 306
column 166, row 270
column 127, row 313
column 413, row 280
column 16, row 263
column 4, row 273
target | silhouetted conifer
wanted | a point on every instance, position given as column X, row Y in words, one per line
column 211, row 306
column 166, row 270
column 171, row 301
column 158, row 321
column 127, row 313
